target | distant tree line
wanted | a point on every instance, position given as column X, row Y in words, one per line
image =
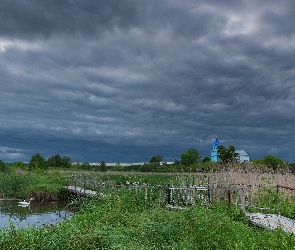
column 190, row 161
column 39, row 163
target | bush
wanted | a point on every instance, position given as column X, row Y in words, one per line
column 274, row 162
column 3, row 167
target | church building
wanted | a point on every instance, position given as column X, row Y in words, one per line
column 214, row 156
column 243, row 156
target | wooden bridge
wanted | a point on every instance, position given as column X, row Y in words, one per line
column 79, row 191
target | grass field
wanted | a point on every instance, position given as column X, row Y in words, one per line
column 121, row 218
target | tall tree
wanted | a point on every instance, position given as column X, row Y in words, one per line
column 66, row 162
column 190, row 157
column 156, row 159
column 37, row 162
column 103, row 166
column 226, row 155
column 54, row 161
column 58, row 161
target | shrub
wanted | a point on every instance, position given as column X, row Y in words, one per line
column 274, row 162
column 3, row 167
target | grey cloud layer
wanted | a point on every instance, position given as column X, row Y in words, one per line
column 124, row 80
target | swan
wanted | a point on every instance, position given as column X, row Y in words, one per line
column 24, row 203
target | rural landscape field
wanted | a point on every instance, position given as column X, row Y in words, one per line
column 140, row 125
column 130, row 210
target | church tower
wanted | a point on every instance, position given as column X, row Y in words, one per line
column 214, row 156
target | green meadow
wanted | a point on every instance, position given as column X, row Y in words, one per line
column 132, row 217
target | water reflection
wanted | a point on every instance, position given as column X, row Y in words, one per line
column 35, row 213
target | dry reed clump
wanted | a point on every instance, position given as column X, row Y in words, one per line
column 20, row 171
column 40, row 195
column 257, row 186
column 246, row 173
column 233, row 176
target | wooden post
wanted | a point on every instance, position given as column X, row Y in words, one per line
column 278, row 193
column 168, row 195
column 75, row 185
column 242, row 197
column 67, row 180
column 209, row 193
column 228, row 197
column 145, row 196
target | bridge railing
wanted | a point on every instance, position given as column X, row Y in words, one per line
column 250, row 197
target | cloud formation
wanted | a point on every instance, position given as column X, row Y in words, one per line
column 126, row 80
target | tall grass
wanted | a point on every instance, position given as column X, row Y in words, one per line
column 26, row 184
column 228, row 177
column 121, row 221
column 134, row 215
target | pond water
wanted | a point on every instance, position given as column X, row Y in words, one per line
column 36, row 214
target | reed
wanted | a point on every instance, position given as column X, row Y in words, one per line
column 121, row 221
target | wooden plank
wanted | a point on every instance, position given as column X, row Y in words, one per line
column 285, row 187
column 80, row 191
column 272, row 221
column 189, row 188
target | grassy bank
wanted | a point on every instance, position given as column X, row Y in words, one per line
column 122, row 218
column 22, row 185
column 121, row 222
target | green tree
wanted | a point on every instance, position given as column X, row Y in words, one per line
column 274, row 162
column 226, row 155
column 103, row 166
column 58, row 161
column 156, row 159
column 190, row 157
column 20, row 165
column 206, row 159
column 118, row 167
column 37, row 162
column 54, row 161
column 3, row 167
column 66, row 162
column 145, row 168
column 85, row 166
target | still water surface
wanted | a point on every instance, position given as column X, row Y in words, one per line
column 36, row 214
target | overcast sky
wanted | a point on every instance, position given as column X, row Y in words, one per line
column 119, row 80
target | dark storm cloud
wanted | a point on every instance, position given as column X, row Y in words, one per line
column 27, row 19
column 125, row 80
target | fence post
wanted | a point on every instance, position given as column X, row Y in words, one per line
column 228, row 197
column 278, row 193
column 168, row 195
column 209, row 193
column 242, row 196
column 75, row 185
column 67, row 181
column 145, row 197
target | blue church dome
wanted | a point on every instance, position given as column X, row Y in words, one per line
column 214, row 156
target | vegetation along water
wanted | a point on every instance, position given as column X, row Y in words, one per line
column 130, row 210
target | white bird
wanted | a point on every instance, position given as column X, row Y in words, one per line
column 25, row 203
